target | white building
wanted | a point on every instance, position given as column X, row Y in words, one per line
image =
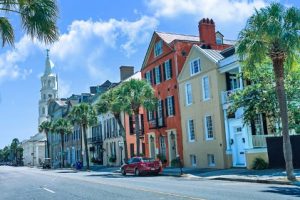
column 34, row 150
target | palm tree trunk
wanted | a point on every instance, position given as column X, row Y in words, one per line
column 47, row 145
column 137, row 132
column 62, row 149
column 123, row 133
column 81, row 146
column 281, row 95
column 86, row 148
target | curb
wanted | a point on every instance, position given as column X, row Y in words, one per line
column 255, row 181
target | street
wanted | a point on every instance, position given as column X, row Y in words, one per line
column 32, row 183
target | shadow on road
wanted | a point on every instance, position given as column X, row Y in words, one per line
column 117, row 176
column 291, row 191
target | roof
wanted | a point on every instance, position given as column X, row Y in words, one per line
column 215, row 55
column 170, row 37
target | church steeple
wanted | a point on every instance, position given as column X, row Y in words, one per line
column 47, row 64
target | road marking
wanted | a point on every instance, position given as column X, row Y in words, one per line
column 48, row 190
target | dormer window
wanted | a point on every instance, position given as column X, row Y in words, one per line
column 158, row 48
column 219, row 38
column 195, row 66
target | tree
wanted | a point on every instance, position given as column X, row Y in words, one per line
column 136, row 94
column 84, row 115
column 45, row 126
column 260, row 97
column 38, row 19
column 272, row 34
column 63, row 127
column 13, row 148
column 111, row 101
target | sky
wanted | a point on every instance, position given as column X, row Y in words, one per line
column 96, row 38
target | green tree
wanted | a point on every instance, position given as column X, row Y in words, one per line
column 46, row 126
column 272, row 33
column 135, row 95
column 38, row 19
column 111, row 101
column 13, row 149
column 63, row 127
column 84, row 115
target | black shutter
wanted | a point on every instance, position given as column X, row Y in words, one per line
column 173, row 104
column 162, row 108
column 253, row 129
column 264, row 121
column 160, row 73
column 227, row 81
column 142, row 124
column 154, row 78
column 170, row 65
column 166, row 103
column 164, row 71
column 145, row 77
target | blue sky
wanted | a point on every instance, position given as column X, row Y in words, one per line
column 96, row 38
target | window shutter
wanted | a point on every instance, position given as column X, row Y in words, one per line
column 166, row 103
column 162, row 108
column 264, row 122
column 154, row 78
column 228, row 87
column 164, row 71
column 173, row 105
column 170, row 65
column 160, row 73
column 145, row 76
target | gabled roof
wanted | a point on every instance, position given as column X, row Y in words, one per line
column 214, row 55
column 168, row 38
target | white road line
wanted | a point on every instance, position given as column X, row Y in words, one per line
column 48, row 190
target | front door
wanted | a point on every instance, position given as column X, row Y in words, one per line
column 172, row 147
column 239, row 147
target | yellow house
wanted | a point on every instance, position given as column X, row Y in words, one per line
column 212, row 137
column 200, row 86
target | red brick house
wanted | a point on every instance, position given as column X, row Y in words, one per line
column 163, row 62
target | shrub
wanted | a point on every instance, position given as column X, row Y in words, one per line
column 259, row 164
column 175, row 163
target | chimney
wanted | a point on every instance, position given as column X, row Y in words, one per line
column 126, row 72
column 207, row 32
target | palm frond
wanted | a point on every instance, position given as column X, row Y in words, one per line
column 6, row 32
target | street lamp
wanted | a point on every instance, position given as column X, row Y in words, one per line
column 121, row 149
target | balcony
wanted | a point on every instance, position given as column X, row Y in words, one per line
column 225, row 95
column 96, row 139
column 259, row 141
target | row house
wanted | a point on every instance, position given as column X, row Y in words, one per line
column 163, row 63
column 213, row 137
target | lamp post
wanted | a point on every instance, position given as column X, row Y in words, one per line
column 121, row 149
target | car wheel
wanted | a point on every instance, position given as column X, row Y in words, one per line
column 123, row 171
column 137, row 172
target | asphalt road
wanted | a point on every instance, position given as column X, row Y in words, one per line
column 31, row 183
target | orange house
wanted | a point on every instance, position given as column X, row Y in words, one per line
column 163, row 62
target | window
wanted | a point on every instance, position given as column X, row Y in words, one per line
column 205, row 88
column 44, row 96
column 209, row 128
column 195, row 66
column 258, row 125
column 157, row 75
column 211, row 160
column 234, row 81
column 168, row 70
column 150, row 115
column 219, row 40
column 132, row 150
column 170, row 106
column 43, row 110
column 158, row 48
column 148, row 77
column 191, row 130
column 188, row 94
column 193, row 160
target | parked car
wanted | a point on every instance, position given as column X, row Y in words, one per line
column 141, row 165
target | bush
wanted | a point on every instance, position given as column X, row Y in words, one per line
column 175, row 163
column 112, row 159
column 260, row 164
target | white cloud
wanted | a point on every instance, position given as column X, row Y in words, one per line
column 219, row 10
column 64, row 88
column 10, row 60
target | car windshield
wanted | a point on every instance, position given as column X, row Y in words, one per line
column 148, row 159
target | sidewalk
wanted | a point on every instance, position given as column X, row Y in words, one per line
column 271, row 176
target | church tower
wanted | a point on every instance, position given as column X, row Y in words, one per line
column 48, row 91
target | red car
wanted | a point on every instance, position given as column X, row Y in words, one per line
column 141, row 165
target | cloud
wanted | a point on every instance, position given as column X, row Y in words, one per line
column 219, row 10
column 64, row 88
column 10, row 60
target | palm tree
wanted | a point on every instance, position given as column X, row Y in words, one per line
column 38, row 19
column 45, row 126
column 84, row 115
column 111, row 101
column 63, row 127
column 272, row 34
column 136, row 94
column 13, row 148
